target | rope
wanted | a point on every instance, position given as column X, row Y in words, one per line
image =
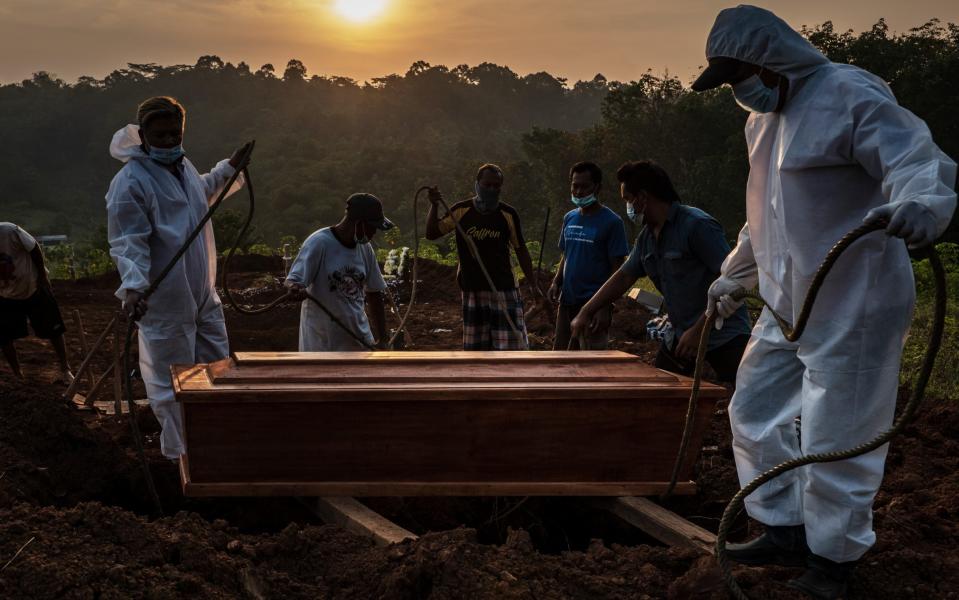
column 792, row 334
column 416, row 252
column 542, row 243
column 474, row 251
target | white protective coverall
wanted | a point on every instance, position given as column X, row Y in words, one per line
column 150, row 213
column 840, row 147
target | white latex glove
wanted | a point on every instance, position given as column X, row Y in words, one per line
column 909, row 220
column 720, row 300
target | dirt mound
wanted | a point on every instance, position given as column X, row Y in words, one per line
column 48, row 455
column 249, row 263
column 917, row 511
column 434, row 282
column 95, row 551
column 109, row 280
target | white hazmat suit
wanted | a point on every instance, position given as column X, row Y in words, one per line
column 840, row 146
column 150, row 213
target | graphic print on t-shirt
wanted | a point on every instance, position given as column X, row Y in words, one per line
column 483, row 233
column 578, row 233
column 493, row 234
column 348, row 282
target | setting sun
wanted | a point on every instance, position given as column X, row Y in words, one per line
column 360, row 11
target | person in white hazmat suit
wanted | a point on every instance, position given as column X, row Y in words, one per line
column 829, row 148
column 153, row 204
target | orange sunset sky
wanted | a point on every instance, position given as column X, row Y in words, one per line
column 370, row 38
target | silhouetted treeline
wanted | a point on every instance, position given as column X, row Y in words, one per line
column 321, row 138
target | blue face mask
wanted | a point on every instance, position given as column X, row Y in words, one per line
column 583, row 202
column 636, row 218
column 753, row 95
column 167, row 156
column 486, row 200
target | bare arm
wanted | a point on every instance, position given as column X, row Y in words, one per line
column 433, row 229
column 688, row 344
column 617, row 285
column 617, row 262
column 433, row 223
column 377, row 314
column 556, row 287
column 526, row 264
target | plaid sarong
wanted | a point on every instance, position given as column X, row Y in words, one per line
column 485, row 326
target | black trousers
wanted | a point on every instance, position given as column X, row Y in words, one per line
column 40, row 309
column 724, row 359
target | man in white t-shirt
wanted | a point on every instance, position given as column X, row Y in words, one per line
column 26, row 295
column 337, row 266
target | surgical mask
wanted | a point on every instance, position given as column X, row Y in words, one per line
column 486, row 200
column 583, row 202
column 167, row 156
column 359, row 236
column 753, row 95
column 636, row 218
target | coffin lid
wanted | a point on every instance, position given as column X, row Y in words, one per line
column 432, row 375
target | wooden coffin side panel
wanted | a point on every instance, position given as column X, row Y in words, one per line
column 435, row 424
column 538, row 443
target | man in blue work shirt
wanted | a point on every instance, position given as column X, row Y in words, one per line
column 680, row 249
column 593, row 242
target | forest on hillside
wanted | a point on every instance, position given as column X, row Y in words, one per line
column 320, row 138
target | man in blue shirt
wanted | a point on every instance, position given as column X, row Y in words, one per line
column 593, row 242
column 680, row 249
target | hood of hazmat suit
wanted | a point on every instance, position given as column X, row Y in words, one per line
column 841, row 146
column 150, row 213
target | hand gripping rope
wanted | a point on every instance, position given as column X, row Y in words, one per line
column 792, row 334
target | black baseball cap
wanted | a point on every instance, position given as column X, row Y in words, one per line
column 721, row 70
column 367, row 208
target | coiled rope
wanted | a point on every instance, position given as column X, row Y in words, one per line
column 793, row 333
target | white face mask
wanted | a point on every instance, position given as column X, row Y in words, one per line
column 359, row 235
column 635, row 217
column 753, row 95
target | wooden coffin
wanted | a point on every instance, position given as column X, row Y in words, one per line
column 435, row 423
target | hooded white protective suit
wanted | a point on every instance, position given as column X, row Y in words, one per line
column 150, row 213
column 840, row 147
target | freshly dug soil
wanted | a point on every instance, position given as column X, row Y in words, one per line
column 72, row 501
